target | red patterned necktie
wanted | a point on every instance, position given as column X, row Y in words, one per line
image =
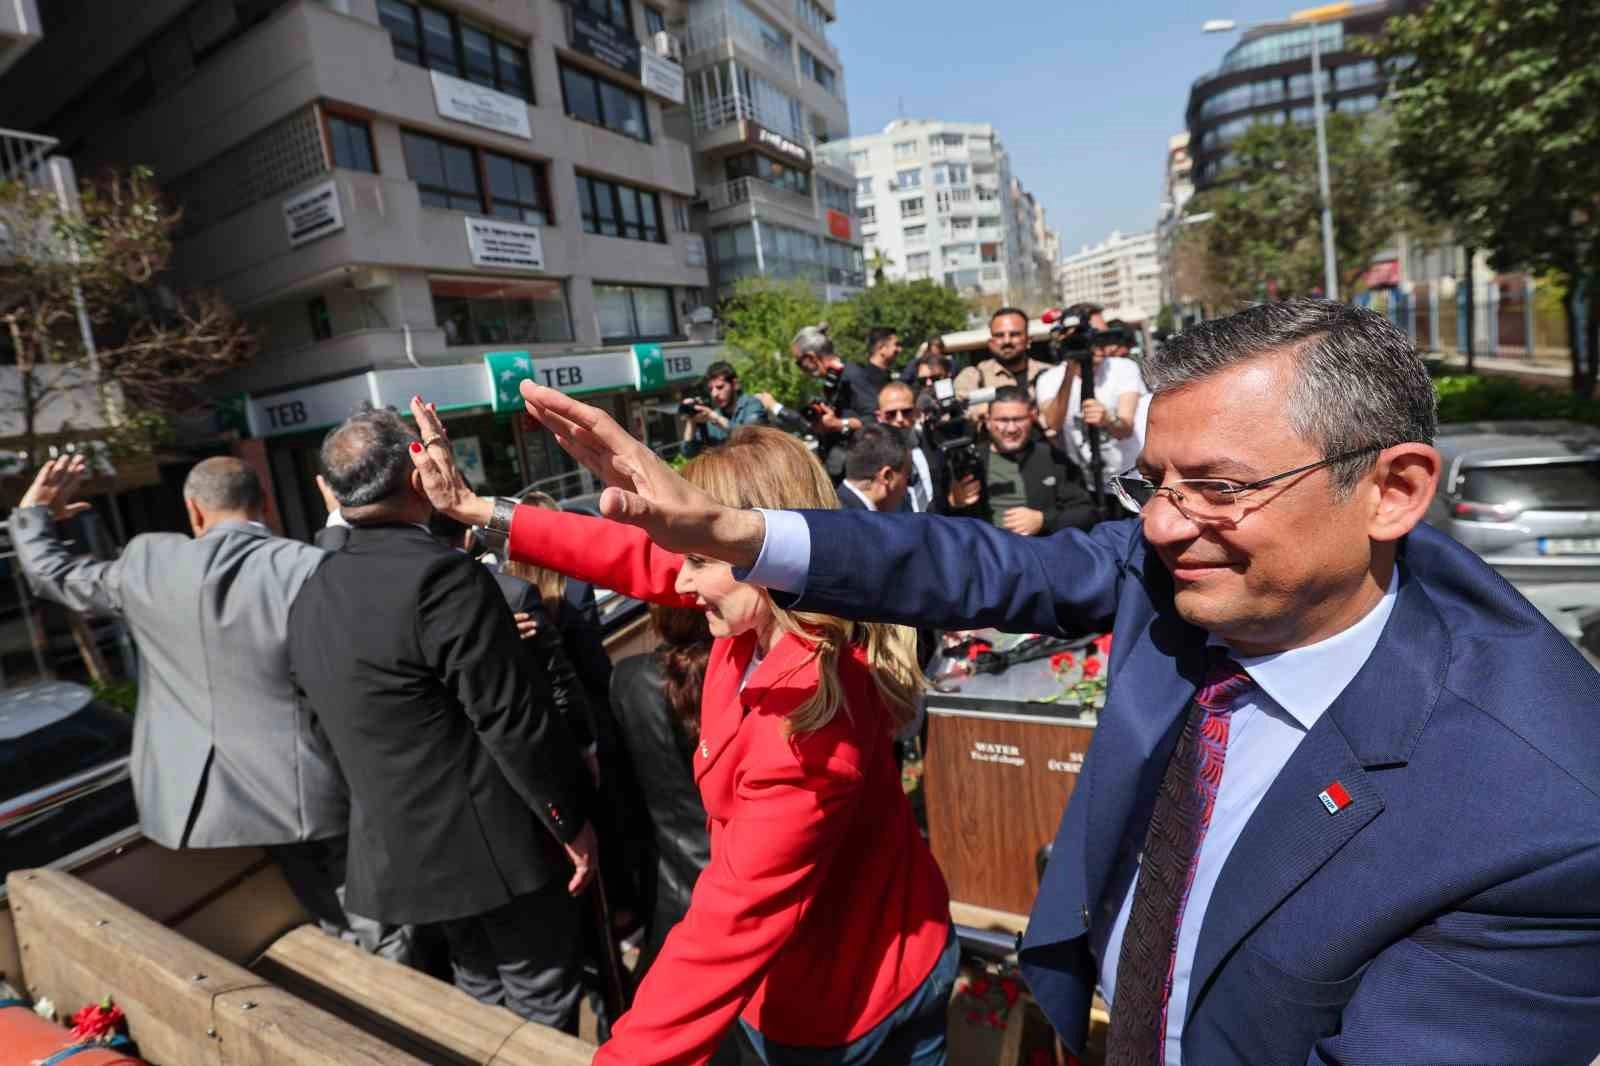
column 1171, row 851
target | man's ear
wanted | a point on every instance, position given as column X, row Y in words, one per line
column 197, row 517
column 1404, row 481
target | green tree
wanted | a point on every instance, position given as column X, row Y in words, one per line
column 759, row 320
column 96, row 268
column 1265, row 239
column 914, row 309
column 878, row 264
column 1496, row 107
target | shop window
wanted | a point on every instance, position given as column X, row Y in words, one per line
column 634, row 313
column 611, row 209
column 493, row 311
column 604, row 103
column 350, row 144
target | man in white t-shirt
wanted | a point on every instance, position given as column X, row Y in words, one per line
column 1118, row 385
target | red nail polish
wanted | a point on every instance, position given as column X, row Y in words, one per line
column 416, row 448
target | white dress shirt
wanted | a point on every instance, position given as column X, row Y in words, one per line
column 1112, row 378
column 865, row 500
column 921, row 493
column 1292, row 691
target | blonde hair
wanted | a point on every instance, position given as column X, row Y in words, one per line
column 552, row 584
column 761, row 467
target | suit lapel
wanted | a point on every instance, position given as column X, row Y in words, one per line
column 1374, row 722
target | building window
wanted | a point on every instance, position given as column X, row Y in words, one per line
column 438, row 40
column 833, row 195
column 960, row 173
column 915, row 234
column 350, row 144
column 863, row 188
column 603, row 103
column 859, row 160
column 917, row 262
column 321, row 321
column 767, row 169
column 905, row 150
column 654, row 22
column 680, row 215
column 634, row 313
column 818, row 71
column 612, row 11
column 911, row 208
column 811, row 13
column 492, row 311
column 908, row 179
column 449, row 176
column 868, row 215
column 614, row 210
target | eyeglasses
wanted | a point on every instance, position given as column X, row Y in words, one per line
column 928, row 379
column 899, row 414
column 1211, row 499
column 1021, row 420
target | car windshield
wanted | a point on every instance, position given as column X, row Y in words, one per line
column 94, row 736
column 1564, row 486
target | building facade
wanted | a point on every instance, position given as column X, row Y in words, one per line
column 1121, row 274
column 1176, row 190
column 766, row 91
column 1266, row 77
column 938, row 200
column 404, row 197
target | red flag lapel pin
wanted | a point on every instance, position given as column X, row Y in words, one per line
column 1334, row 797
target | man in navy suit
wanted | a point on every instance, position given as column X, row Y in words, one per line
column 1341, row 806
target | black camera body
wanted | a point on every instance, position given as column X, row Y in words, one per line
column 690, row 404
column 830, row 393
column 947, row 424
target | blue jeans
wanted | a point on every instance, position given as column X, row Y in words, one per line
column 913, row 1035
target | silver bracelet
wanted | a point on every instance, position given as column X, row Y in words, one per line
column 493, row 535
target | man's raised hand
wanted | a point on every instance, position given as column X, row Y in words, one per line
column 641, row 489
column 54, row 485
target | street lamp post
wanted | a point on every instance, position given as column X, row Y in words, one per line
column 1330, row 263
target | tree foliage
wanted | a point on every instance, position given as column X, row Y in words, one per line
column 98, row 266
column 914, row 309
column 1265, row 239
column 1496, row 107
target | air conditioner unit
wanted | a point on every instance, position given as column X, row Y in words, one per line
column 700, row 316
column 669, row 46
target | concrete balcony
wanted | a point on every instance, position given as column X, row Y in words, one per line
column 758, row 193
column 23, row 158
column 717, row 36
column 717, row 121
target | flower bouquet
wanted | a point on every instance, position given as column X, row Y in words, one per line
column 1083, row 677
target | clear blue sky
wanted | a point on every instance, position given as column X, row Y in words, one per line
column 1084, row 93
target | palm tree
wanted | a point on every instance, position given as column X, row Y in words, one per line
column 877, row 263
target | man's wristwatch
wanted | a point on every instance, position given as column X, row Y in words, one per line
column 493, row 534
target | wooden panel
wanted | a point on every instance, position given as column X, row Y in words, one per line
column 538, row 1045
column 996, row 789
column 240, row 923
column 185, row 1005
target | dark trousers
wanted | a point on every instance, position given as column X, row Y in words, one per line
column 523, row 956
column 314, row 870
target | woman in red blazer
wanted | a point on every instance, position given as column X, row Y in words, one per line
column 822, row 922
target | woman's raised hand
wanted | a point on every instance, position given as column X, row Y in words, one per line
column 641, row 489
column 436, row 463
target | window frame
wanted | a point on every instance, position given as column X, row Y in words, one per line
column 349, row 117
column 521, row 87
column 564, row 68
column 638, row 338
column 591, row 200
column 480, row 172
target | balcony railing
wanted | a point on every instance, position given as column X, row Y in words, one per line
column 715, row 31
column 718, row 111
column 755, row 191
column 22, row 157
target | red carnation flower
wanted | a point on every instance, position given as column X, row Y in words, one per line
column 1102, row 643
column 995, row 1021
column 97, row 1021
column 977, row 648
column 1062, row 660
column 1091, row 667
column 1010, row 989
column 978, row 987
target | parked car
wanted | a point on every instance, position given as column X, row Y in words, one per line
column 1525, row 495
column 64, row 780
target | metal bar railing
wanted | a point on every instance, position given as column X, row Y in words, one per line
column 23, row 155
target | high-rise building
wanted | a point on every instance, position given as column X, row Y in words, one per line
column 938, row 200
column 404, row 196
column 1121, row 274
column 1266, row 77
column 1177, row 189
column 766, row 94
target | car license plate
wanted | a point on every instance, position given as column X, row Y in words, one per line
column 1569, row 545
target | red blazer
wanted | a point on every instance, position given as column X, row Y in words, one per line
column 822, row 909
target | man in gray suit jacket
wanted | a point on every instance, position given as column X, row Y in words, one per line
column 223, row 754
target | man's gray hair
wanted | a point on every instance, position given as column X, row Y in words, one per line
column 223, row 483
column 813, row 340
column 366, row 460
column 1359, row 382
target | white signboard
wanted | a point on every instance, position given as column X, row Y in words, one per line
column 313, row 407
column 312, row 214
column 479, row 106
column 661, row 75
column 681, row 364
column 694, row 249
column 504, row 245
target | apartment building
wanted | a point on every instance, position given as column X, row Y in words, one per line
column 937, row 200
column 403, row 196
column 1122, row 274
column 766, row 92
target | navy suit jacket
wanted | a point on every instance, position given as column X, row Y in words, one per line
column 1449, row 914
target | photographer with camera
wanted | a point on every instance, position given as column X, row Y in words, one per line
column 707, row 424
column 1008, row 362
column 849, row 390
column 1020, row 484
column 1110, row 408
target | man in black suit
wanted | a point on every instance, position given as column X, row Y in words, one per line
column 465, row 786
column 1027, row 487
column 877, row 470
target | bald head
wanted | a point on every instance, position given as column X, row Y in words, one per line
column 224, row 484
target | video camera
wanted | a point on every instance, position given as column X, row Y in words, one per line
column 945, row 418
column 830, row 393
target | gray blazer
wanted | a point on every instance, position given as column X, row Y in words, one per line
column 223, row 755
